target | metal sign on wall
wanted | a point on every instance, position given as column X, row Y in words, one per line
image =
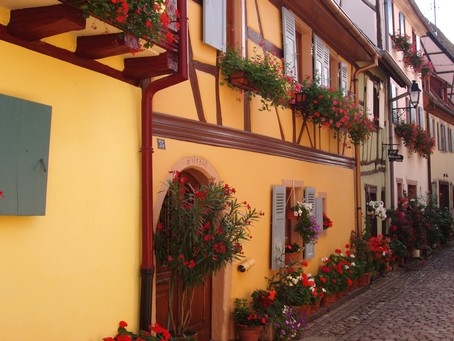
column 394, row 156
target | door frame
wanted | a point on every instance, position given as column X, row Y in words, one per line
column 222, row 280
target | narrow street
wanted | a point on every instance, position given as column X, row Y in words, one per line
column 411, row 304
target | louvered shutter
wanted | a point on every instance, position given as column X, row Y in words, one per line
column 431, row 129
column 370, row 99
column 421, row 117
column 278, row 227
column 343, row 78
column 412, row 115
column 309, row 197
column 290, row 54
column 394, row 112
column 214, row 24
column 321, row 61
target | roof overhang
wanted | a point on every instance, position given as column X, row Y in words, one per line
column 330, row 23
column 389, row 64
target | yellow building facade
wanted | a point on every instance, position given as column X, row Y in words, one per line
column 74, row 272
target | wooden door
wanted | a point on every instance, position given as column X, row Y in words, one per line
column 201, row 307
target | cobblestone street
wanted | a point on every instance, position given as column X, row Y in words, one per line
column 415, row 304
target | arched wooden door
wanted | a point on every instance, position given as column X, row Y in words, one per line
column 201, row 307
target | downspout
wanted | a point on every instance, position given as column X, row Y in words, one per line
column 359, row 214
column 147, row 267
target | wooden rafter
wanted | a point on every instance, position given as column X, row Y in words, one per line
column 32, row 24
column 106, row 45
column 147, row 67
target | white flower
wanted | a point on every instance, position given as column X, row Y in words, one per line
column 300, row 211
column 353, row 264
column 352, row 255
column 346, row 267
column 384, row 253
column 295, row 213
column 312, row 288
column 323, row 289
column 324, row 259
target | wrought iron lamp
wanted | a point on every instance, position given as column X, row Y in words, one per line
column 414, row 93
column 300, row 103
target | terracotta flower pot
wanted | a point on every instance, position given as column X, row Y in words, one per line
column 240, row 80
column 354, row 285
column 328, row 300
column 364, row 279
column 248, row 333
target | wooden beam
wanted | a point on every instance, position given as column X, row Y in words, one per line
column 106, row 45
column 32, row 24
column 147, row 67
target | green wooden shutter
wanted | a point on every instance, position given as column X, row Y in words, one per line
column 278, row 227
column 24, row 153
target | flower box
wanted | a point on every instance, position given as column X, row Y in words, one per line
column 240, row 80
column 364, row 279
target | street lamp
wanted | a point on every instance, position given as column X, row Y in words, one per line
column 415, row 92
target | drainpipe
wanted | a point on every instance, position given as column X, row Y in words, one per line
column 147, row 267
column 359, row 215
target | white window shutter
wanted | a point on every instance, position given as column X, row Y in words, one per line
column 309, row 197
column 431, row 129
column 319, row 211
column 421, row 117
column 370, row 98
column 412, row 115
column 215, row 24
column 381, row 109
column 343, row 78
column 289, row 32
column 321, row 61
column 278, row 227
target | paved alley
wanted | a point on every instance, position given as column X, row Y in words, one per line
column 412, row 304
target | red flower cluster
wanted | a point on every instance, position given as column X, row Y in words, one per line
column 327, row 222
column 416, row 139
column 381, row 252
column 155, row 333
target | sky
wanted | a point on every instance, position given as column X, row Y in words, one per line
column 444, row 10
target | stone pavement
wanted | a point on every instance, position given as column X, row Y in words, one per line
column 411, row 304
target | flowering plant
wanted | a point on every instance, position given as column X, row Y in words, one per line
column 377, row 208
column 336, row 272
column 411, row 56
column 245, row 314
column 290, row 325
column 292, row 248
column 329, row 108
column 155, row 333
column 306, row 225
column 416, row 139
column 204, row 233
column 144, row 19
column 266, row 76
column 382, row 253
column 327, row 222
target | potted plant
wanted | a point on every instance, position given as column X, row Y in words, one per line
column 399, row 250
column 248, row 320
column 290, row 325
column 411, row 56
column 206, row 228
column 306, row 225
column 292, row 255
column 416, row 139
column 327, row 222
column 140, row 18
column 155, row 333
column 259, row 75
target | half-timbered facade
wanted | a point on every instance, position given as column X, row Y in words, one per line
column 116, row 124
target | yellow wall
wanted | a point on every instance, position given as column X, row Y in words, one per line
column 73, row 273
column 253, row 176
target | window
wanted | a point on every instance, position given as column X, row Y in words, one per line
column 443, row 137
column 412, row 191
column 343, row 78
column 401, row 24
column 390, row 16
column 394, row 104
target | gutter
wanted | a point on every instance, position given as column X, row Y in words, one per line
column 358, row 200
column 355, row 31
column 147, row 267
